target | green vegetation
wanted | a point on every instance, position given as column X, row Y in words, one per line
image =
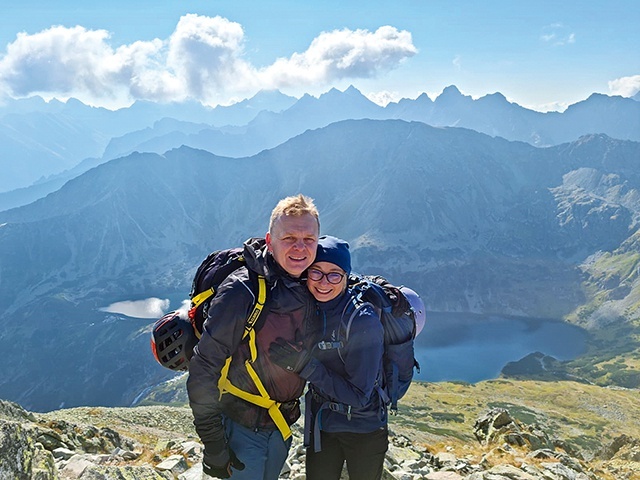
column 586, row 417
column 523, row 414
column 611, row 313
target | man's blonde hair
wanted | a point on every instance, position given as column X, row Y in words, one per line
column 295, row 206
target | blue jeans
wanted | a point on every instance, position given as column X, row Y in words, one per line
column 263, row 452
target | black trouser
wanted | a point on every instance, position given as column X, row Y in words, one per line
column 363, row 452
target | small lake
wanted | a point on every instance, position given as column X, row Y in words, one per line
column 473, row 348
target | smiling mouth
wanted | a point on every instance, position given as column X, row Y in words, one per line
column 323, row 292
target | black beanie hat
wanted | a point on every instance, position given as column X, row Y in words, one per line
column 334, row 250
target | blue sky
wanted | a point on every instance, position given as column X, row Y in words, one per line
column 542, row 55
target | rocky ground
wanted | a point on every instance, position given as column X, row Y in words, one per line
column 447, row 431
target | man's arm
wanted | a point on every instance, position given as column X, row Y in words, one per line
column 362, row 363
column 222, row 334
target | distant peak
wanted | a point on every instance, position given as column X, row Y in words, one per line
column 423, row 97
column 497, row 95
column 451, row 95
column 494, row 99
column 334, row 92
column 352, row 90
column 273, row 93
column 451, row 90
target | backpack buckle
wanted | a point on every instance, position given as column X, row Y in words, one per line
column 340, row 408
column 329, row 345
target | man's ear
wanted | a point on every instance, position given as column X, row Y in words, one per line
column 267, row 238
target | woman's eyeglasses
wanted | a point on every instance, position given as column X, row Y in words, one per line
column 332, row 277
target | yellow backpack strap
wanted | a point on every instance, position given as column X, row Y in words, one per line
column 197, row 300
column 257, row 308
column 262, row 400
column 248, row 330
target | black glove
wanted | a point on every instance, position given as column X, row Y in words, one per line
column 400, row 304
column 292, row 356
column 217, row 462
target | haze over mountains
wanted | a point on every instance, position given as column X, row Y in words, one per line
column 49, row 143
column 474, row 222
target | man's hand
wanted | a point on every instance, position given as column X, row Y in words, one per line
column 292, row 356
column 217, row 462
column 400, row 304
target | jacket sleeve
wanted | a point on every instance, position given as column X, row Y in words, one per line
column 362, row 363
column 222, row 334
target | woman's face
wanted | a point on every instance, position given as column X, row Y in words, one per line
column 326, row 281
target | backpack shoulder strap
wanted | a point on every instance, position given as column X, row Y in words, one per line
column 252, row 319
column 262, row 399
column 353, row 308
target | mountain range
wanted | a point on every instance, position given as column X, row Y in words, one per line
column 46, row 144
column 473, row 222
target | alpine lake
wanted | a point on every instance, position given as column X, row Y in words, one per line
column 472, row 348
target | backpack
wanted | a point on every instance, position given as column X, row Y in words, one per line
column 213, row 270
column 399, row 324
column 175, row 334
column 210, row 274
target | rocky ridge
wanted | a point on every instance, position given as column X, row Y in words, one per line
column 159, row 442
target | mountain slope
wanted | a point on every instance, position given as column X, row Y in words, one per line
column 495, row 430
column 39, row 139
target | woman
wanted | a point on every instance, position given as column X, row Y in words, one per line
column 346, row 418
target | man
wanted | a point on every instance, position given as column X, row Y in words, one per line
column 242, row 439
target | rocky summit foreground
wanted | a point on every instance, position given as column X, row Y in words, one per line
column 444, row 432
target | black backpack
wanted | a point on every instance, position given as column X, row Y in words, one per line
column 174, row 335
column 399, row 323
column 210, row 274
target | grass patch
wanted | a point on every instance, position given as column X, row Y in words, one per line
column 448, row 417
column 520, row 413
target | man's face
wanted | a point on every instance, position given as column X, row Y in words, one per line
column 293, row 242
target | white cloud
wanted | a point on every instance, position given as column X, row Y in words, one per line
column 341, row 54
column 383, row 98
column 206, row 55
column 625, row 86
column 546, row 107
column 148, row 308
column 59, row 59
column 203, row 59
column 557, row 34
column 457, row 62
